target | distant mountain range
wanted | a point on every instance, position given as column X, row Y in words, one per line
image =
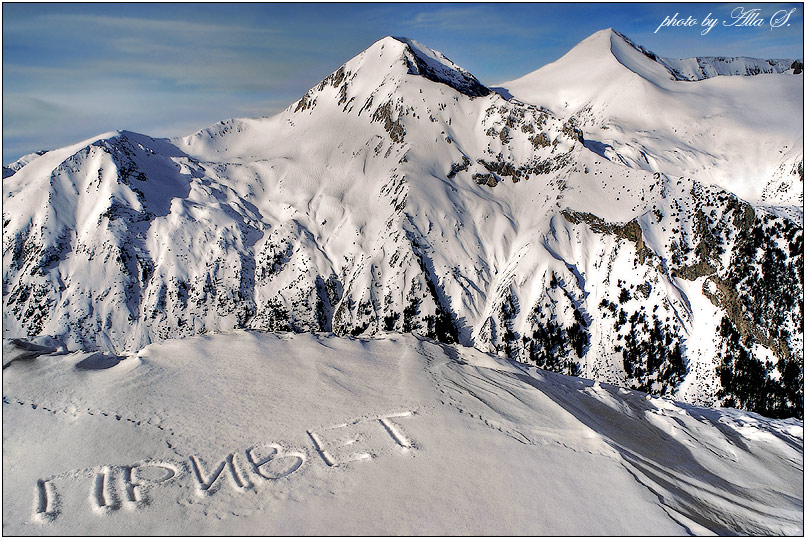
column 614, row 215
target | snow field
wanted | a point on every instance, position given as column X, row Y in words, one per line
column 313, row 434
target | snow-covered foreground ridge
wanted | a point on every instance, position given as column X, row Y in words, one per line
column 314, row 434
column 402, row 195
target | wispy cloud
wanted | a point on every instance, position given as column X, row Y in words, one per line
column 173, row 25
column 487, row 19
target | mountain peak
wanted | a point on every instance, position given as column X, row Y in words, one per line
column 391, row 59
column 602, row 40
column 435, row 66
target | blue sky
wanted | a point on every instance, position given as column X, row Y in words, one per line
column 71, row 71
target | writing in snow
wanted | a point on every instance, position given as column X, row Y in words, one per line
column 739, row 17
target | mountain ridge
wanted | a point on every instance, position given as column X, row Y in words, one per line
column 704, row 67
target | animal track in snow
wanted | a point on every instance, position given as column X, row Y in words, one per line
column 154, row 422
column 88, row 411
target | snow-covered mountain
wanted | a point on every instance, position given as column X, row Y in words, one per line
column 402, row 195
column 681, row 117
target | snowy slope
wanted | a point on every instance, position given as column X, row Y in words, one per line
column 681, row 117
column 401, row 195
column 11, row 169
column 252, row 433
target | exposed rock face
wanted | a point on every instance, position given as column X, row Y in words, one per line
column 760, row 332
column 436, row 67
column 393, row 127
column 630, row 231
